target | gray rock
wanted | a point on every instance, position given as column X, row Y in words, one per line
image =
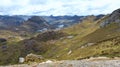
column 33, row 57
column 114, row 17
column 69, row 37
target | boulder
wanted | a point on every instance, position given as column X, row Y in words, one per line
column 2, row 40
column 33, row 58
column 21, row 60
column 69, row 37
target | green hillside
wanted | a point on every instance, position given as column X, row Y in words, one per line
column 86, row 39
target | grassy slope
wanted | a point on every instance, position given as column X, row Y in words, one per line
column 106, row 42
column 11, row 48
column 64, row 45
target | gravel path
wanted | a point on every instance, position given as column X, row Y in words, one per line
column 83, row 63
column 74, row 63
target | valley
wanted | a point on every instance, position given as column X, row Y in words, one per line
column 41, row 38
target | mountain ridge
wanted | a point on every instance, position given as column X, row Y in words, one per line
column 80, row 41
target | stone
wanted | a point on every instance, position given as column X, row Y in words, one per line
column 69, row 52
column 33, row 57
column 21, row 60
column 70, row 37
column 48, row 61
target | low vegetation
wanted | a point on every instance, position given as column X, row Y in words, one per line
column 80, row 41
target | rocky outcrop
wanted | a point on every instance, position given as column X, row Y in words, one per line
column 50, row 35
column 2, row 40
column 114, row 17
column 33, row 58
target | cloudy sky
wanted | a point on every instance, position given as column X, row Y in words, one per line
column 57, row 7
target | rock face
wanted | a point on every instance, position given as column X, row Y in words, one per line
column 114, row 17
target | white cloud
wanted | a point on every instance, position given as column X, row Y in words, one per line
column 4, row 3
column 55, row 7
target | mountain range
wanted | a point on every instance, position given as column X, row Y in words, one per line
column 62, row 37
column 53, row 22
